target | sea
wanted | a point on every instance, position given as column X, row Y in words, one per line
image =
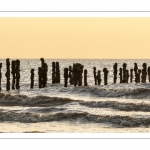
column 101, row 108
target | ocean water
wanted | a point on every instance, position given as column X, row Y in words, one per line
column 94, row 108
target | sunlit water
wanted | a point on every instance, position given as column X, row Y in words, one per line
column 105, row 108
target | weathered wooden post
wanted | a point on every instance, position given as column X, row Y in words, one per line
column 0, row 75
column 57, row 73
column 40, row 77
column 105, row 75
column 115, row 72
column 144, row 73
column 44, row 74
column 17, row 74
column 131, row 75
column 94, row 72
column 99, row 77
column 13, row 67
column 149, row 73
column 65, row 77
column 127, row 76
column 53, row 72
column 124, row 73
column 85, row 77
column 7, row 74
column 138, row 75
column 79, row 77
column 120, row 73
column 32, row 79
column 135, row 71
column 70, row 75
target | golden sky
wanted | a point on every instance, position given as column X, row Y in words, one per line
column 75, row 38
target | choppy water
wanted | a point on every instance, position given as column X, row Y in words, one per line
column 105, row 108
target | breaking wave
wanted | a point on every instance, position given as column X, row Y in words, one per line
column 118, row 121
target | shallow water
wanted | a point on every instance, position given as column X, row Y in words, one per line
column 104, row 108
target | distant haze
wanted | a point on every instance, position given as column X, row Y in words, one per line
column 75, row 38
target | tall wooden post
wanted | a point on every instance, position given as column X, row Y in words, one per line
column 149, row 73
column 99, row 77
column 65, row 77
column 17, row 74
column 85, row 77
column 32, row 79
column 105, row 75
column 0, row 75
column 115, row 73
column 94, row 72
column 7, row 74
column 13, row 66
column 120, row 73
column 131, row 75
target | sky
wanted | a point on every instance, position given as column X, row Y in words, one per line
column 93, row 38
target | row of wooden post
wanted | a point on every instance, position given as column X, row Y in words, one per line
column 73, row 73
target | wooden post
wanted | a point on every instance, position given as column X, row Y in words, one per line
column 124, row 73
column 0, row 75
column 144, row 73
column 105, row 75
column 13, row 67
column 149, row 73
column 17, row 74
column 70, row 75
column 53, row 72
column 127, row 76
column 120, row 73
column 131, row 75
column 138, row 76
column 40, row 76
column 115, row 73
column 65, row 77
column 85, row 77
column 7, row 74
column 57, row 73
column 32, row 79
column 135, row 71
column 94, row 72
column 99, row 77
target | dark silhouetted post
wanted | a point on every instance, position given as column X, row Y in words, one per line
column 135, row 71
column 57, row 73
column 99, row 77
column 53, row 72
column 85, row 77
column 149, row 73
column 70, row 75
column 65, row 77
column 124, row 73
column 13, row 67
column 7, row 74
column 17, row 74
column 105, row 75
column 131, row 75
column 144, row 73
column 120, row 73
column 32, row 79
column 94, row 72
column 0, row 75
column 127, row 76
column 115, row 72
column 40, row 77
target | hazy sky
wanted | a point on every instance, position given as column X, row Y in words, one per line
column 75, row 37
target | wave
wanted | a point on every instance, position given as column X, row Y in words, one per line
column 113, row 92
column 84, row 117
column 7, row 99
column 145, row 107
